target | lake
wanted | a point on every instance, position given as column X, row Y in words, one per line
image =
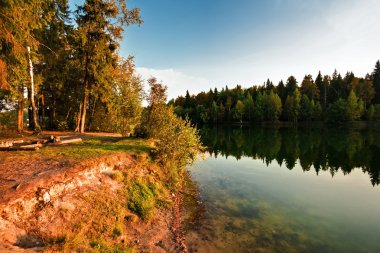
column 288, row 190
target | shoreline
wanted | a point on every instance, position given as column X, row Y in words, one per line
column 52, row 200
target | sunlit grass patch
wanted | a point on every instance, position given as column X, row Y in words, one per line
column 141, row 200
column 94, row 148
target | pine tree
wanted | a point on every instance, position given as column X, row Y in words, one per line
column 187, row 102
column 248, row 106
column 376, row 82
column 291, row 85
column 306, row 108
column 309, row 88
column 100, row 28
column 281, row 91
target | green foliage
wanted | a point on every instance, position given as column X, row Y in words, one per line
column 8, row 120
column 376, row 82
column 309, row 102
column 239, row 110
column 249, row 107
column 316, row 110
column 291, row 85
column 214, row 112
column 272, row 106
column 354, row 108
column 102, row 246
column 117, row 231
column 82, row 82
column 177, row 142
column 117, row 175
column 125, row 101
column 337, row 112
column 141, row 200
column 296, row 104
column 376, row 115
column 292, row 106
column 306, row 108
column 259, row 107
column 309, row 88
column 370, row 113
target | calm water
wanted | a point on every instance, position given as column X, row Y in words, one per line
column 286, row 190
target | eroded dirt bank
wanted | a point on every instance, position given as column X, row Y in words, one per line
column 61, row 206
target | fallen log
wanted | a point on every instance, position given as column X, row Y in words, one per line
column 37, row 145
column 18, row 142
column 70, row 141
column 6, row 144
column 32, row 147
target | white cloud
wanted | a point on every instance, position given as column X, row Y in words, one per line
column 343, row 35
column 177, row 81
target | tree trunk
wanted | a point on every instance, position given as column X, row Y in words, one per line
column 37, row 127
column 84, row 109
column 85, row 98
column 30, row 112
column 93, row 107
column 43, row 111
column 53, row 117
column 20, row 112
column 78, row 118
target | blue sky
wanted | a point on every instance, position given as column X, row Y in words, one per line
column 201, row 44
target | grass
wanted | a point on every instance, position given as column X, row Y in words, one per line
column 117, row 176
column 141, row 200
column 102, row 246
column 96, row 147
column 89, row 148
column 96, row 225
column 104, row 217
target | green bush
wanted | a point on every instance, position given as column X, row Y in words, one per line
column 178, row 143
column 337, row 112
column 141, row 200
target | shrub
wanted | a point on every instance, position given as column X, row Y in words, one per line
column 141, row 200
column 178, row 142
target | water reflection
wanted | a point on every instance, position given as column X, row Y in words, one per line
column 315, row 149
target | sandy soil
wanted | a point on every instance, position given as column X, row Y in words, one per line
column 34, row 192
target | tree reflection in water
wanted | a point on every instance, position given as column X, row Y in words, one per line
column 314, row 148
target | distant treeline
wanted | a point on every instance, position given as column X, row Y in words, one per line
column 315, row 149
column 327, row 98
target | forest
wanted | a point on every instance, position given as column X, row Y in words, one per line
column 61, row 68
column 327, row 98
